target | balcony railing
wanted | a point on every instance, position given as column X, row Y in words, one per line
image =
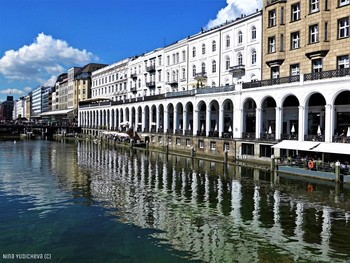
column 133, row 75
column 248, row 135
column 184, row 93
column 214, row 134
column 267, row 136
column 150, row 84
column 151, row 68
column 289, row 137
column 270, row 82
column 200, row 76
column 315, row 138
column 310, row 76
column 133, row 89
column 237, row 70
column 207, row 90
column 327, row 74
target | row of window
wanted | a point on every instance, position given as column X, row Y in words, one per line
column 176, row 56
column 317, row 65
column 343, row 32
column 314, row 6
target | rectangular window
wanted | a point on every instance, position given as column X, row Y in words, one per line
column 344, row 2
column 343, row 62
column 275, row 72
column 317, row 65
column 313, row 34
column 272, row 44
column 282, row 15
column 272, row 18
column 212, row 145
column 296, row 12
column 295, row 40
column 282, row 42
column 294, row 70
column 325, row 31
column 314, row 6
column 343, row 27
column 201, row 144
column 226, row 147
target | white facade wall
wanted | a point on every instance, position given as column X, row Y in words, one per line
column 111, row 81
column 19, row 108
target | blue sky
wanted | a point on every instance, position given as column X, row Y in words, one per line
column 40, row 39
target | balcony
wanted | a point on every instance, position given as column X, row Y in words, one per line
column 173, row 83
column 200, row 76
column 151, row 68
column 328, row 74
column 151, row 84
column 133, row 89
column 133, row 75
column 270, row 82
column 238, row 70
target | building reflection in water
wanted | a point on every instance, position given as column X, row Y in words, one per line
column 215, row 218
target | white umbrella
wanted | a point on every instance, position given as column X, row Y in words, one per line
column 293, row 129
column 189, row 126
column 230, row 129
column 270, row 130
column 203, row 127
column 216, row 127
column 348, row 133
column 319, row 130
column 180, row 126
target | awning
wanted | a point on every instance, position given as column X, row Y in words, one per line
column 328, row 147
column 56, row 112
column 120, row 134
column 296, row 145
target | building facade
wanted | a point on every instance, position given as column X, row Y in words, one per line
column 224, row 92
column 305, row 36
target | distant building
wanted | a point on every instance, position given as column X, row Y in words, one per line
column 19, row 108
column 6, row 109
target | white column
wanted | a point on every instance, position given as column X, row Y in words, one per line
column 175, row 121
column 278, row 128
column 221, row 122
column 136, row 119
column 301, row 123
column 166, row 118
column 237, row 127
column 157, row 119
column 329, row 123
column 207, row 123
column 143, row 120
column 195, row 122
column 150, row 119
column 257, row 123
column 184, row 124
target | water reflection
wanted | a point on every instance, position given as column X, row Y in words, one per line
column 217, row 218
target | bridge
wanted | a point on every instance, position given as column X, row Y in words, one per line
column 14, row 130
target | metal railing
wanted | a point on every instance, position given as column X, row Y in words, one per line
column 219, row 89
column 327, row 74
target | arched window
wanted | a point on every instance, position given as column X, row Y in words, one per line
column 213, row 84
column 213, row 66
column 227, row 63
column 173, row 77
column 193, row 70
column 203, row 49
column 240, row 37
column 213, row 46
column 203, row 67
column 183, row 73
column 239, row 59
column 253, row 32
column 139, row 83
column 168, row 76
column 193, row 52
column 228, row 41
column 253, row 56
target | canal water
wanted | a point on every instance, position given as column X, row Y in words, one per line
column 87, row 202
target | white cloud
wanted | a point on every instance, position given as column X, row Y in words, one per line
column 12, row 91
column 43, row 58
column 234, row 9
